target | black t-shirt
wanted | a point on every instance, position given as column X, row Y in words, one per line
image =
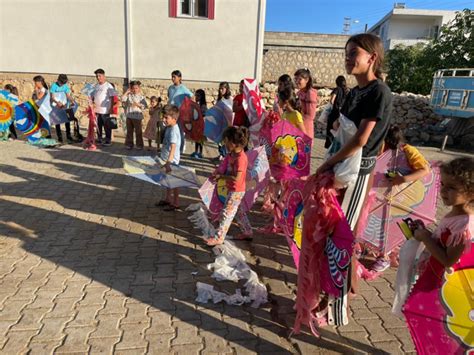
column 371, row 102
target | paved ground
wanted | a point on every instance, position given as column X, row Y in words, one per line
column 89, row 265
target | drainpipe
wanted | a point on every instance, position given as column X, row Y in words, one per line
column 260, row 36
column 128, row 40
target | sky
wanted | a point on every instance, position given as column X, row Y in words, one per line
column 325, row 16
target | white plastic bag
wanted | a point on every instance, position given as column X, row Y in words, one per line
column 409, row 255
column 347, row 170
column 324, row 116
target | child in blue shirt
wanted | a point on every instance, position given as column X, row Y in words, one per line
column 170, row 153
column 61, row 86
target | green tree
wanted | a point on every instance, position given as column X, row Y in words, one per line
column 412, row 68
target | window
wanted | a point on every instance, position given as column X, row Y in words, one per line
column 192, row 8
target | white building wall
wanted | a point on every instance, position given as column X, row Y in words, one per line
column 62, row 36
column 78, row 36
column 204, row 50
column 411, row 28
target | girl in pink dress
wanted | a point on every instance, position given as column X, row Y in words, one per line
column 449, row 261
column 308, row 98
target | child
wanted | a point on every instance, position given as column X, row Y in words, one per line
column 176, row 94
column 40, row 89
column 451, row 256
column 287, row 102
column 134, row 103
column 61, row 86
column 369, row 106
column 284, row 83
column 102, row 97
column 308, row 98
column 171, row 154
column 225, row 102
column 336, row 99
column 155, row 126
column 14, row 91
column 234, row 171
column 419, row 168
column 240, row 117
column 200, row 98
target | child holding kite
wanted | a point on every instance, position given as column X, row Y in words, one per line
column 287, row 102
column 438, row 310
column 419, row 168
column 233, row 172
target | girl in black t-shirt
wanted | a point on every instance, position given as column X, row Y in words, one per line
column 369, row 106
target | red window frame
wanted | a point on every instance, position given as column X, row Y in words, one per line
column 211, row 4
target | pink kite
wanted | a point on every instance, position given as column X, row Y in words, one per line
column 289, row 214
column 288, row 148
column 254, row 108
column 214, row 195
column 390, row 204
column 440, row 309
column 191, row 120
column 325, row 257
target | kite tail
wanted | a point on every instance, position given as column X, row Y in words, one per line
column 199, row 219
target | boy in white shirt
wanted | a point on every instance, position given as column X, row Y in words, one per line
column 102, row 96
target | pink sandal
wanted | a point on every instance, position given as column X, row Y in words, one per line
column 214, row 241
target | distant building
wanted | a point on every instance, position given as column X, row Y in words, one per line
column 410, row 26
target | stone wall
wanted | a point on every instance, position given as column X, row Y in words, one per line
column 411, row 112
column 323, row 54
column 24, row 83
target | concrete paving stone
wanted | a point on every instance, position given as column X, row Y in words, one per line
column 102, row 345
column 160, row 323
column 215, row 341
column 164, row 284
column 143, row 277
column 75, row 340
column 63, row 308
column 244, row 346
column 30, row 319
column 277, row 287
column 74, row 289
column 375, row 330
column 17, row 341
column 136, row 313
column 141, row 294
column 43, row 347
column 130, row 351
column 187, row 349
column 388, row 347
column 108, row 326
column 85, row 315
column 12, row 309
column 133, row 337
column 390, row 321
column 94, row 296
column 186, row 333
column 52, row 329
column 186, row 312
column 113, row 305
column 406, row 341
column 363, row 313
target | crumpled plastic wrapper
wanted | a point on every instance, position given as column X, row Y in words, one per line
column 199, row 219
column 230, row 265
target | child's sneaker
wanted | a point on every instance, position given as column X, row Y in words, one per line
column 381, row 264
column 199, row 155
column 194, row 155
